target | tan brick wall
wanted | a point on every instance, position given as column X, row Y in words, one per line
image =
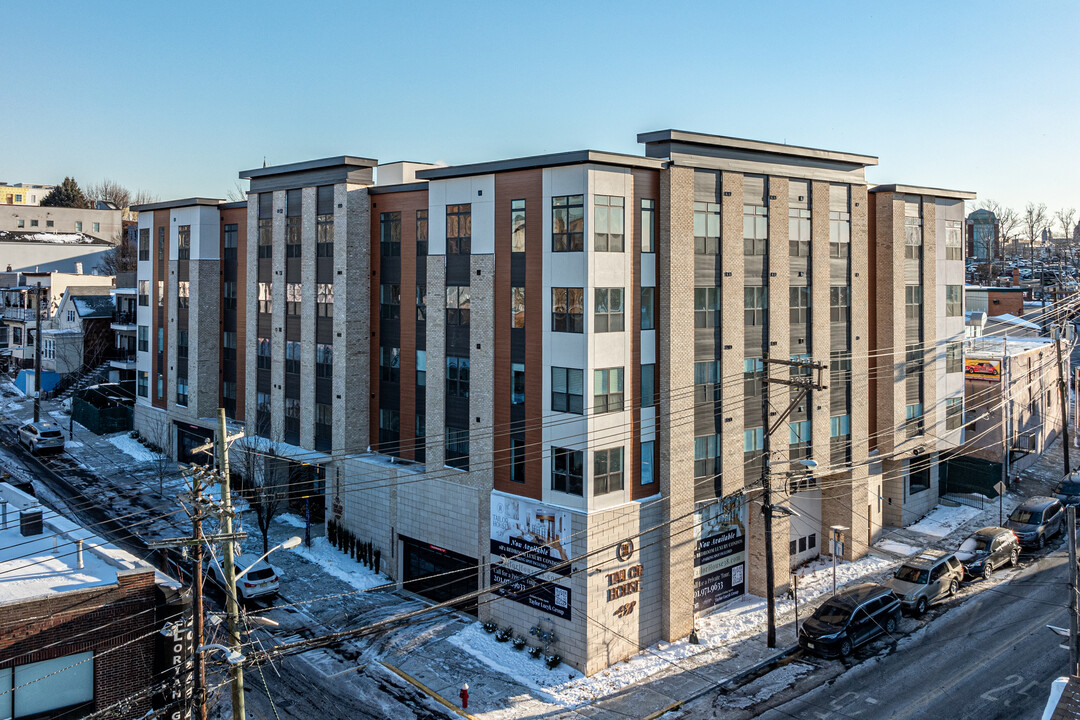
column 352, row 317
column 731, row 331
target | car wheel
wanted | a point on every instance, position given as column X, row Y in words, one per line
column 845, row 647
column 1042, row 541
column 1015, row 561
column 954, row 586
column 921, row 607
column 890, row 625
column 988, row 570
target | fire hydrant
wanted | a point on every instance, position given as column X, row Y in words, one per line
column 464, row 695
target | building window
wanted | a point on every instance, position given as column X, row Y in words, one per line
column 839, row 234
column 71, row 316
column 181, row 390
column 144, row 244
column 608, row 220
column 22, row 223
column 160, row 241
column 517, row 460
column 161, row 293
column 608, row 310
column 954, row 357
column 262, row 414
column 389, row 430
column 293, row 297
column 459, row 229
column 183, row 293
column 232, row 236
column 292, row 357
column 324, row 236
column 144, row 293
column 517, row 226
column 421, row 368
column 840, row 436
column 954, row 301
column 607, row 390
column 913, row 416
column 390, row 302
column 753, row 375
column 839, row 368
column 419, row 454
column 913, row 303
column 183, row 242
column 421, row 233
column 324, row 426
column 266, row 224
column 229, row 295
column 324, row 361
column 918, row 480
column 648, row 225
column 799, row 440
column 798, row 232
column 954, row 413
column 457, row 376
column 706, row 228
column 33, row 223
column 648, row 463
column 839, row 304
column 160, row 340
column 262, row 349
column 800, row 305
column 913, row 239
column 567, row 471
column 755, row 306
column 517, row 383
column 706, row 456
column 567, row 310
column 648, row 308
column 517, row 307
column 753, row 446
column 568, row 223
column 954, row 240
column 292, row 420
column 143, row 384
column 421, row 303
column 567, row 390
column 390, row 234
column 458, row 304
column 160, row 386
column 648, row 385
column 42, row 689
column 755, row 230
column 144, row 338
column 607, row 470
column 78, row 225
column 706, row 307
column 706, row 381
column 457, row 448
column 390, row 364
column 266, row 297
column 182, row 344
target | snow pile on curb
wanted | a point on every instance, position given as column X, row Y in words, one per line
column 131, row 447
column 338, row 565
column 770, row 684
column 942, row 520
column 895, row 547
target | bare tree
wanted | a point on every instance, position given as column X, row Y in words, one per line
column 238, row 193
column 159, row 434
column 121, row 258
column 1065, row 220
column 264, row 489
column 109, row 191
column 1035, row 221
column 143, row 197
column 1008, row 223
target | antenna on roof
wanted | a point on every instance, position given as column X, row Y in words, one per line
column 264, row 161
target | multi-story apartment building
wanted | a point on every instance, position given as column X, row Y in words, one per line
column 917, row 326
column 23, row 193
column 103, row 222
column 546, row 376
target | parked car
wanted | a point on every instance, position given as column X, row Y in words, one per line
column 1037, row 519
column 1068, row 490
column 988, row 549
column 925, row 579
column 38, row 436
column 849, row 619
column 260, row 581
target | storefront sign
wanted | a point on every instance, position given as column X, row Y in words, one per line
column 982, row 369
column 543, row 595
column 720, row 553
column 530, row 532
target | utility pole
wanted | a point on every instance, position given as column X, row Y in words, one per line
column 1074, row 621
column 802, row 386
column 37, row 354
column 1064, row 392
column 229, row 568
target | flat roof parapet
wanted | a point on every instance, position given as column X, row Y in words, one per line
column 928, row 191
column 171, row 204
column 324, row 171
column 574, row 157
column 684, row 138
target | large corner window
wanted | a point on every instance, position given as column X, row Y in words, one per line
column 567, row 471
column 568, row 223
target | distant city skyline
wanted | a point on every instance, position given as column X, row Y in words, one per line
column 963, row 96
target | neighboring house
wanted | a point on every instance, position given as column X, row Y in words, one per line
column 104, row 221
column 125, row 330
column 23, row 193
column 22, row 251
column 81, row 618
column 995, row 300
column 79, row 335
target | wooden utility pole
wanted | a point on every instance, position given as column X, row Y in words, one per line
column 1063, row 389
column 1074, row 621
column 229, row 568
column 37, row 354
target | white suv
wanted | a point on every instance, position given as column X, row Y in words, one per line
column 261, row 580
column 37, row 436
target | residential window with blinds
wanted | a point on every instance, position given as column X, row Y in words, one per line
column 954, row 240
column 753, row 375
column 294, row 202
column 608, row 233
column 954, row 413
column 517, row 226
column 567, row 390
column 608, row 310
column 567, row 471
column 799, row 305
column 954, row 357
column 324, row 221
column 707, row 381
column 706, row 228
column 755, row 306
column 607, row 390
column 390, row 234
column 954, row 301
column 648, row 226
column 607, row 471
column 459, row 229
column 568, row 223
column 798, row 219
column 839, row 304
column 266, row 225
column 706, row 456
column 913, row 303
column 567, row 310
column 706, row 307
column 839, row 221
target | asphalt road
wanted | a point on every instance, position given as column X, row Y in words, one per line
column 987, row 657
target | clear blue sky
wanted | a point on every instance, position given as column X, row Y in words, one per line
column 176, row 98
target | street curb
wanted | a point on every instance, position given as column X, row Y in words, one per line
column 729, row 683
column 426, row 690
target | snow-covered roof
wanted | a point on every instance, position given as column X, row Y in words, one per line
column 998, row 346
column 1013, row 320
column 94, row 306
column 47, row 237
column 46, row 564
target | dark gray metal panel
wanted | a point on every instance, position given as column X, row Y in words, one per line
column 324, row 330
column 390, row 273
column 457, row 272
column 324, row 270
column 754, row 270
column 264, row 325
column 913, row 273
column 292, row 328
column 262, row 380
column 840, row 198
column 294, row 203
column 913, row 389
column 707, row 270
column 312, row 178
column 838, row 271
column 799, row 271
column 324, row 391
column 705, row 142
column 754, row 190
column 799, row 331
column 185, row 202
column 575, row 157
column 838, row 337
column 324, row 202
column 292, row 386
column 266, row 206
column 706, row 344
column 292, row 270
column 838, row 398
column 707, row 186
column 928, row 191
column 799, row 194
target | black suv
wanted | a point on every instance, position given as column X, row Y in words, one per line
column 849, row 619
column 988, row 549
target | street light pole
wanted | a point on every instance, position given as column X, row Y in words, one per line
column 37, row 354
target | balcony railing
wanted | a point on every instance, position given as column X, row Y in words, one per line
column 17, row 313
column 123, row 318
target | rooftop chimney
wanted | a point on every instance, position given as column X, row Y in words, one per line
column 78, row 268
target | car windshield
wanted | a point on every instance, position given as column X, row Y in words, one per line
column 832, row 612
column 261, row 574
column 51, row 434
column 975, row 543
column 1025, row 517
column 1070, row 488
column 910, row 574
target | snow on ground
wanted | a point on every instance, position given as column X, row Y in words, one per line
column 337, row 564
column 768, row 685
column 292, row 520
column 131, row 447
column 942, row 520
column 898, row 548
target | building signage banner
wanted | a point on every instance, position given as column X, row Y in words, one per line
column 530, row 532
column 982, row 369
column 719, row 553
column 543, row 595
